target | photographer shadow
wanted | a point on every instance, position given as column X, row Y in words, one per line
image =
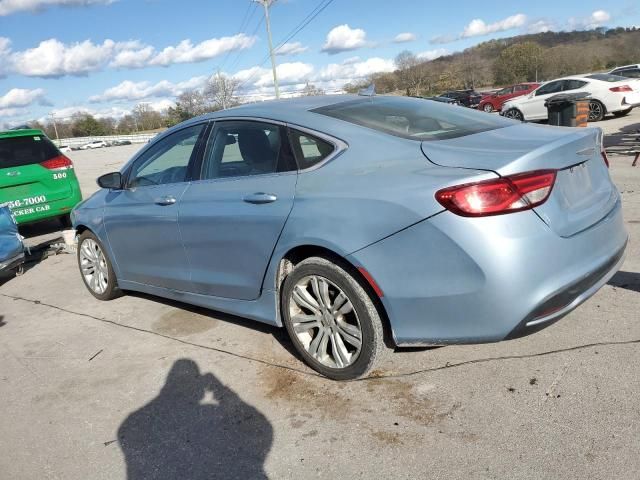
column 184, row 434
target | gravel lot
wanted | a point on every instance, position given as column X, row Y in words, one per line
column 154, row 389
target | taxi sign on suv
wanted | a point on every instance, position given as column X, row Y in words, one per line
column 36, row 180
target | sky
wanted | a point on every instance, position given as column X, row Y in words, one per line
column 58, row 57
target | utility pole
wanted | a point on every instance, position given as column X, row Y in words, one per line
column 55, row 127
column 266, row 4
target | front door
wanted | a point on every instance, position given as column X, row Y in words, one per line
column 232, row 217
column 533, row 107
column 142, row 220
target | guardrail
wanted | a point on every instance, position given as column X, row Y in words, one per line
column 80, row 141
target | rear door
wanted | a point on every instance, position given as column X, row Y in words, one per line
column 26, row 183
column 232, row 217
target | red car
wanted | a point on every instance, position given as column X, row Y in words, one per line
column 494, row 101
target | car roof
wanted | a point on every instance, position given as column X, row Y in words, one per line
column 633, row 65
column 21, row 133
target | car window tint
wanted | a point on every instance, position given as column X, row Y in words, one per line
column 630, row 73
column 573, row 84
column 413, row 118
column 551, row 87
column 242, row 148
column 166, row 161
column 308, row 149
column 522, row 88
column 26, row 150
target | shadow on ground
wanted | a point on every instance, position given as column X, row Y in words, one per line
column 626, row 280
column 2, row 322
column 184, row 434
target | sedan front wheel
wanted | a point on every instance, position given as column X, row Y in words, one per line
column 331, row 320
column 95, row 268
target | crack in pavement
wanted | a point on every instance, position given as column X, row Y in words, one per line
column 313, row 374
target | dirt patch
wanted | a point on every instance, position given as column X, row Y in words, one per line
column 181, row 323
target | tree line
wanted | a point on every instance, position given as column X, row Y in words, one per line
column 526, row 58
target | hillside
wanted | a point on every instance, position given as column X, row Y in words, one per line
column 540, row 56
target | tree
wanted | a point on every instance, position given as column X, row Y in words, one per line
column 519, row 63
column 311, row 90
column 85, row 125
column 410, row 72
column 188, row 105
column 221, row 91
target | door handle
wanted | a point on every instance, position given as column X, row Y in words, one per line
column 260, row 198
column 166, row 200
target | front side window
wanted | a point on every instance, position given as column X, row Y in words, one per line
column 522, row 88
column 309, row 149
column 551, row 87
column 505, row 91
column 244, row 148
column 166, row 161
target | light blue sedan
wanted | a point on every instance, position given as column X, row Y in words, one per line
column 360, row 223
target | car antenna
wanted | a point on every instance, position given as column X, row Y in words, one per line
column 370, row 91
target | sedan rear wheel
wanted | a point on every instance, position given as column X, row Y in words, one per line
column 95, row 268
column 331, row 319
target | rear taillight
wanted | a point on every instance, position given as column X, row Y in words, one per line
column 623, row 88
column 496, row 197
column 57, row 163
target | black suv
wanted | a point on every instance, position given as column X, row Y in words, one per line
column 467, row 98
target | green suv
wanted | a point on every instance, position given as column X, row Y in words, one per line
column 36, row 180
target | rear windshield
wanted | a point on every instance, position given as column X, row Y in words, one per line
column 607, row 77
column 20, row 151
column 413, row 118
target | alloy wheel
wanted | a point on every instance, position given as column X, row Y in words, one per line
column 488, row 108
column 595, row 111
column 325, row 322
column 514, row 114
column 93, row 265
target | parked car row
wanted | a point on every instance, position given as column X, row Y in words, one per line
column 93, row 145
column 616, row 92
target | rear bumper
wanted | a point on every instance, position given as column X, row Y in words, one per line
column 50, row 209
column 451, row 279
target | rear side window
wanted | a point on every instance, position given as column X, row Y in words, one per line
column 574, row 84
column 309, row 150
column 413, row 118
column 27, row 150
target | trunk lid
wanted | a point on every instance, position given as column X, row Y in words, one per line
column 583, row 193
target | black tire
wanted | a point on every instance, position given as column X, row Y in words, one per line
column 596, row 111
column 65, row 221
column 622, row 113
column 515, row 114
column 487, row 107
column 372, row 334
column 111, row 290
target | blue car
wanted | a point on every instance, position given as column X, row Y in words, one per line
column 360, row 223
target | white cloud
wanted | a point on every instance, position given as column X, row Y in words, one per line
column 348, row 72
column 21, row 97
column 478, row 27
column 293, row 73
column 597, row 19
column 405, row 37
column 10, row 113
column 7, row 7
column 187, row 52
column 134, row 91
column 541, row 26
column 52, row 58
column 292, row 48
column 344, row 38
column 433, row 54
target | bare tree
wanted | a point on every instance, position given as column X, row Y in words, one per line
column 310, row 90
column 411, row 72
column 221, row 91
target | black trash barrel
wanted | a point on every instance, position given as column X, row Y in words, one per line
column 568, row 109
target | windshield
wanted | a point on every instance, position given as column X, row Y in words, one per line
column 607, row 77
column 414, row 118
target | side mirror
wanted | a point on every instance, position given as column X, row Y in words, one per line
column 112, row 181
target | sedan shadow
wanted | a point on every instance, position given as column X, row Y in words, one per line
column 626, row 280
column 196, row 428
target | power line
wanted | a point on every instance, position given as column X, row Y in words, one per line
column 323, row 4
column 241, row 30
column 258, row 25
